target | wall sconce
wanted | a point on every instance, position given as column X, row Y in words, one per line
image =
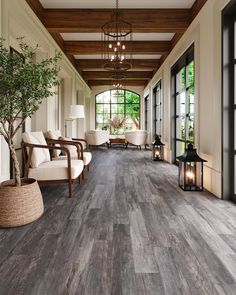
column 191, row 170
column 157, row 149
column 76, row 112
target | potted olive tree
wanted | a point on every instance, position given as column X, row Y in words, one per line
column 23, row 86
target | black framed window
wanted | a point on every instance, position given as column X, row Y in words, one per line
column 229, row 101
column 124, row 105
column 146, row 110
column 183, row 95
column 157, row 111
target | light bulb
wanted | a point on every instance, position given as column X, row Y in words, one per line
column 118, row 43
column 110, row 45
column 190, row 175
column 115, row 49
column 123, row 47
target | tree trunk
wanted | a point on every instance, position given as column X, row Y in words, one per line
column 16, row 164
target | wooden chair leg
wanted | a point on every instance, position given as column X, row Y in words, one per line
column 88, row 168
column 81, row 178
column 70, row 188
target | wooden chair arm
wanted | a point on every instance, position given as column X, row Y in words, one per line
column 62, row 142
column 32, row 146
column 81, row 139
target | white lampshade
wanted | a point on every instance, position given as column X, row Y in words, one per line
column 76, row 111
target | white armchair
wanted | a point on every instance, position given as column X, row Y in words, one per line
column 136, row 137
column 55, row 137
column 97, row 137
column 38, row 164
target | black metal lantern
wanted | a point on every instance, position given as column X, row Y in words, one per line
column 157, row 149
column 191, row 170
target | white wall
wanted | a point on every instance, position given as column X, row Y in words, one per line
column 18, row 20
column 205, row 32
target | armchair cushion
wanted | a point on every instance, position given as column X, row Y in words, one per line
column 39, row 155
column 56, row 170
column 54, row 134
column 87, row 157
column 72, row 148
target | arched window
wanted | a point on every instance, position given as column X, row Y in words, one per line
column 124, row 107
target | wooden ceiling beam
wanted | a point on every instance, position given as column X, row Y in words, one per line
column 58, row 38
column 91, row 20
column 101, row 75
column 125, row 83
column 37, row 7
column 134, row 47
column 99, row 63
column 197, row 6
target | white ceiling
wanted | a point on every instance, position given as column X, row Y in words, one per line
column 135, row 56
column 136, row 36
column 122, row 3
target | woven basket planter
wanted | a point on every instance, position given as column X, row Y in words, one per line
column 20, row 205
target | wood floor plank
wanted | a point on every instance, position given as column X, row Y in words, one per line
column 152, row 284
column 142, row 247
column 168, row 271
column 123, row 274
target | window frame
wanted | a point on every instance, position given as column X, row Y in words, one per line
column 146, row 109
column 110, row 103
column 228, row 119
column 157, row 122
column 184, row 61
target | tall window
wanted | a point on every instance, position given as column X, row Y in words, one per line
column 157, row 110
column 126, row 106
column 183, row 81
column 146, row 110
column 229, row 101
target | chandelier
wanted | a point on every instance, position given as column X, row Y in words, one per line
column 115, row 35
column 117, row 84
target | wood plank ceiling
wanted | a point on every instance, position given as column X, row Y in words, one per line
column 157, row 27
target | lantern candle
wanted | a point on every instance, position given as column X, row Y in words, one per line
column 157, row 154
column 190, row 177
column 191, row 170
column 157, row 149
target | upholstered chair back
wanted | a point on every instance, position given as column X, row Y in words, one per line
column 137, row 137
column 39, row 155
column 97, row 137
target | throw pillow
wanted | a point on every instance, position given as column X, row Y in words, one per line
column 72, row 148
column 39, row 155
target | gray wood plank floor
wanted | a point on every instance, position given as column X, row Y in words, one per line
column 128, row 230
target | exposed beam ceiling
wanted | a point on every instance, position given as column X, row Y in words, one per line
column 91, row 20
column 156, row 31
column 99, row 63
column 125, row 82
column 134, row 47
column 100, row 75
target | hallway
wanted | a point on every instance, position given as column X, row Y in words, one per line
column 128, row 230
